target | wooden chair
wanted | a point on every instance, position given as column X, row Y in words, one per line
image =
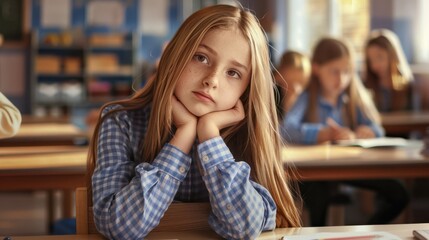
column 173, row 220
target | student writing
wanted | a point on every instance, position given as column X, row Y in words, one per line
column 203, row 129
column 336, row 106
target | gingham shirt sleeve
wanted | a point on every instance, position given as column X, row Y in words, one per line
column 129, row 199
column 241, row 208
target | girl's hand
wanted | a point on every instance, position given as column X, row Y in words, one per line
column 364, row 132
column 186, row 125
column 209, row 125
column 181, row 116
column 338, row 132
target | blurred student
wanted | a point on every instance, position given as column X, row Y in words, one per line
column 204, row 129
column 291, row 79
column 387, row 73
column 10, row 118
column 336, row 106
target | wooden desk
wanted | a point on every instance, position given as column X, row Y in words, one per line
column 403, row 231
column 39, row 168
column 44, row 168
column 46, row 134
column 405, row 122
column 330, row 162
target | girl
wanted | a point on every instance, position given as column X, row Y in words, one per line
column 10, row 118
column 336, row 106
column 204, row 129
column 387, row 72
column 291, row 79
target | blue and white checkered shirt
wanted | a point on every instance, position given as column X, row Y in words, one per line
column 296, row 130
column 130, row 195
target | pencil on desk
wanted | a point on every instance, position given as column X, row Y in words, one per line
column 365, row 237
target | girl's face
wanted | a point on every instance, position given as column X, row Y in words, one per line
column 334, row 76
column 296, row 79
column 378, row 59
column 217, row 75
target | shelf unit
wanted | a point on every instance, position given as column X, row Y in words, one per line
column 70, row 71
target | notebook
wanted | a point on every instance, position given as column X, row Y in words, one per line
column 379, row 235
column 374, row 142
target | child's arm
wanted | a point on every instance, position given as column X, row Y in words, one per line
column 338, row 132
column 130, row 198
column 364, row 131
column 241, row 208
column 186, row 125
column 367, row 128
column 10, row 118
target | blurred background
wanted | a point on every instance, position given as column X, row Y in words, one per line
column 59, row 59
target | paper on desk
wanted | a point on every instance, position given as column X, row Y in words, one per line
column 374, row 142
column 344, row 236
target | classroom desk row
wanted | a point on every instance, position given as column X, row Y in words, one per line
column 64, row 167
column 402, row 231
column 331, row 162
column 403, row 123
column 46, row 134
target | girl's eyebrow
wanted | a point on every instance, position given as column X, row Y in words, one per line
column 234, row 62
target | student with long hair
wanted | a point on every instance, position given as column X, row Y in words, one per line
column 336, row 106
column 204, row 129
column 292, row 77
column 387, row 73
column 10, row 118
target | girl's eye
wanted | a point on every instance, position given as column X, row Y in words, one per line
column 234, row 74
column 201, row 58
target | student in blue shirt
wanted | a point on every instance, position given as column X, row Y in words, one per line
column 204, row 129
column 387, row 73
column 336, row 106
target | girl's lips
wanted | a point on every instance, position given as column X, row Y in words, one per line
column 203, row 96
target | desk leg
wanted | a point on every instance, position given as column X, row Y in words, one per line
column 50, row 209
column 67, row 208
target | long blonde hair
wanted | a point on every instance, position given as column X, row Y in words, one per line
column 256, row 139
column 329, row 49
column 400, row 71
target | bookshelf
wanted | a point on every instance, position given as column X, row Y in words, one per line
column 72, row 69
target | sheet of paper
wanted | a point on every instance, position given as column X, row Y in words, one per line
column 56, row 13
column 105, row 13
column 374, row 142
column 154, row 17
column 344, row 236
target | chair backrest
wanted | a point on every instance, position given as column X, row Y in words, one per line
column 174, row 218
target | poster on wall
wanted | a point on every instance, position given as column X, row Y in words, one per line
column 154, row 17
column 105, row 13
column 56, row 13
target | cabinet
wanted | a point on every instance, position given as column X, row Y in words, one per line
column 72, row 69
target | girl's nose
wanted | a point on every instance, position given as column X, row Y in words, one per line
column 211, row 80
